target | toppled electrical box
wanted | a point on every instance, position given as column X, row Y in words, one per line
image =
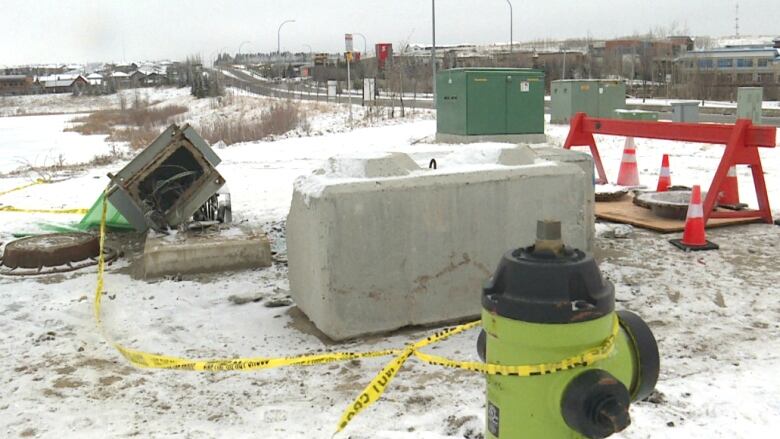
column 171, row 180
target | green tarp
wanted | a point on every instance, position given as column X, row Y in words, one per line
column 114, row 219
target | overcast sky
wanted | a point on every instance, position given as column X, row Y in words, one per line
column 42, row 31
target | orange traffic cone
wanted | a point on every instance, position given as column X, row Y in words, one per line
column 729, row 197
column 665, row 177
column 629, row 174
column 694, row 237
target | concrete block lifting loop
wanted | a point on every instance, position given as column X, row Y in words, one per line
column 432, row 164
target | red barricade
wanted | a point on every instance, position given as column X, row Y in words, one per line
column 742, row 141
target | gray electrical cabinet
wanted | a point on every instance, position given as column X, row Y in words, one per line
column 166, row 183
column 685, row 111
column 749, row 100
column 595, row 97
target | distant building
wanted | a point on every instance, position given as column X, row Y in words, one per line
column 95, row 79
column 15, row 85
column 717, row 73
column 137, row 77
column 643, row 58
column 125, row 68
column 121, row 79
column 65, row 83
column 154, row 79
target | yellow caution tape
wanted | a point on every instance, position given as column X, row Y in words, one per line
column 37, row 182
column 590, row 356
column 146, row 360
column 77, row 211
column 24, row 186
column 381, row 381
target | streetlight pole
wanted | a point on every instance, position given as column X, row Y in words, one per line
column 511, row 26
column 433, row 47
column 365, row 46
column 238, row 56
column 279, row 36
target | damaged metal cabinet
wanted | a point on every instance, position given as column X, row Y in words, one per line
column 167, row 182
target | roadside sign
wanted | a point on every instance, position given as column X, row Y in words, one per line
column 332, row 90
column 348, row 42
column 369, row 90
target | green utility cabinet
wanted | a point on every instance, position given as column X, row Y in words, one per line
column 596, row 97
column 636, row 115
column 749, row 102
column 490, row 101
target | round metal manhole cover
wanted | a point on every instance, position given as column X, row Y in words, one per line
column 672, row 204
column 52, row 253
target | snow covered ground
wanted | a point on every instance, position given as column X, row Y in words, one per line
column 67, row 103
column 40, row 141
column 715, row 315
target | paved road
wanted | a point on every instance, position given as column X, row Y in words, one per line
column 256, row 86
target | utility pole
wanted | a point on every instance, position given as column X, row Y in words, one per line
column 349, row 86
column 736, row 20
column 349, row 47
column 511, row 27
column 433, row 48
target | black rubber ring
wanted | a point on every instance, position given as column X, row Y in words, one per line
column 482, row 345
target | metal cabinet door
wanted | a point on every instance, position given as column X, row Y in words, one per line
column 486, row 112
column 525, row 104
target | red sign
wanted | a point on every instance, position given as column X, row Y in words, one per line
column 384, row 51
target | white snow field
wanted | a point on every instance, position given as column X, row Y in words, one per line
column 40, row 141
column 715, row 314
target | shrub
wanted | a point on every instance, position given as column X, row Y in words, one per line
column 280, row 118
column 137, row 124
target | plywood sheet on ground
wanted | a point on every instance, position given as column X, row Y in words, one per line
column 624, row 211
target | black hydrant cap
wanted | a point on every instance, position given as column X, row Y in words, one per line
column 548, row 282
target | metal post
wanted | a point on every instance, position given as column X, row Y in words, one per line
column 433, row 48
column 349, row 86
column 511, row 27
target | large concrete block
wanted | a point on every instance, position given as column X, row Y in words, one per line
column 205, row 252
column 369, row 255
column 584, row 161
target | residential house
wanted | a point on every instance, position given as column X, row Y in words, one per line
column 95, row 78
column 65, row 83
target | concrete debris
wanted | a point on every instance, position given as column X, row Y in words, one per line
column 614, row 231
column 205, row 251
